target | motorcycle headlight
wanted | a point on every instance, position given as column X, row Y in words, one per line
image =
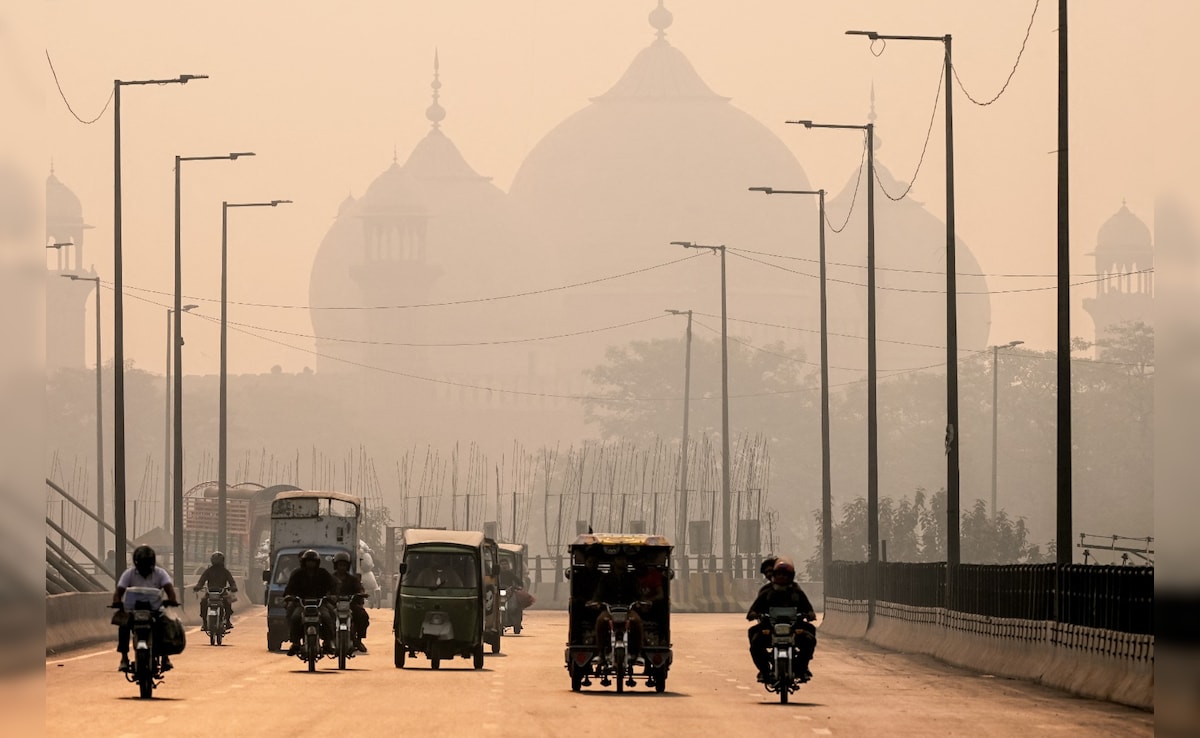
column 783, row 629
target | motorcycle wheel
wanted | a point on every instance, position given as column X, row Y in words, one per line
column 398, row 654
column 576, row 677
column 145, row 674
column 435, row 662
column 619, row 667
column 479, row 656
column 343, row 648
column 660, row 680
column 495, row 645
column 312, row 651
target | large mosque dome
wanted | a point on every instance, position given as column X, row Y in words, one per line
column 658, row 157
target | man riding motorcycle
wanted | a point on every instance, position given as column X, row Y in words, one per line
column 143, row 573
column 618, row 586
column 351, row 584
column 217, row 576
column 309, row 582
column 782, row 592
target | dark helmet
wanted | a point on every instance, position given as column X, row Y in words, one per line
column 341, row 557
column 310, row 555
column 217, row 559
column 144, row 559
column 785, row 567
column 767, row 566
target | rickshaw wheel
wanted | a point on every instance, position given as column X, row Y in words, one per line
column 495, row 646
column 660, row 680
column 479, row 656
column 398, row 652
column 435, row 662
column 576, row 677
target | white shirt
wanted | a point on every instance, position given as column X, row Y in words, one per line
column 132, row 578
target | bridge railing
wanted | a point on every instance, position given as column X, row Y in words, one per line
column 1118, row 598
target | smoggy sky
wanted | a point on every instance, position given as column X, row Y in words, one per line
column 324, row 93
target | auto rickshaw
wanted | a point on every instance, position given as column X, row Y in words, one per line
column 493, row 627
column 513, row 583
column 441, row 601
column 602, row 637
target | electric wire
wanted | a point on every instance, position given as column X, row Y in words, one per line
column 67, row 102
column 1011, row 72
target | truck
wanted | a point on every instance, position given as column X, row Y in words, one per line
column 247, row 527
column 324, row 521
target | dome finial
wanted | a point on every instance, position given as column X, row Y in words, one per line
column 435, row 112
column 395, row 157
column 660, row 19
column 52, row 166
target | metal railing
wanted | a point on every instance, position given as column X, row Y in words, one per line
column 1118, row 598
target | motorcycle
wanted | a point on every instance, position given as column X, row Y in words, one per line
column 146, row 667
column 789, row 672
column 618, row 663
column 511, row 612
column 343, row 629
column 214, row 615
column 310, row 627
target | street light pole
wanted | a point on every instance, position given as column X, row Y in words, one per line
column 953, row 482
column 167, row 475
column 826, row 484
column 100, row 552
column 872, row 371
column 222, row 432
column 177, row 348
column 996, row 412
column 119, row 522
column 681, row 531
column 726, row 543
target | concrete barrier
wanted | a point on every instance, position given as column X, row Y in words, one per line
column 77, row 619
column 1100, row 664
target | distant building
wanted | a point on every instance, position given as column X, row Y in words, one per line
column 1124, row 259
column 658, row 157
column 66, row 299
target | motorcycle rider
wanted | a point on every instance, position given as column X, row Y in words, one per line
column 143, row 573
column 783, row 592
column 351, row 584
column 217, row 576
column 765, row 568
column 308, row 582
column 618, row 586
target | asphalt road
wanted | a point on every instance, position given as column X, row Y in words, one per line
column 242, row 690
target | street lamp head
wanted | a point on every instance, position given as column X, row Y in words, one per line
column 280, row 202
column 188, row 308
column 685, row 244
column 869, row 34
column 1014, row 343
column 185, row 78
column 234, row 155
column 766, row 190
column 805, row 123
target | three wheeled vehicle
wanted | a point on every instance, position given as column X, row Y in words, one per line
column 514, row 580
column 441, row 602
column 619, row 611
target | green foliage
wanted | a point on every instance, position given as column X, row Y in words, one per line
column 914, row 530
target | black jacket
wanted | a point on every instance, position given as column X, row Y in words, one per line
column 216, row 577
column 309, row 585
column 789, row 596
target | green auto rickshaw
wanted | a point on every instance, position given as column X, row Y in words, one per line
column 441, row 600
column 493, row 624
